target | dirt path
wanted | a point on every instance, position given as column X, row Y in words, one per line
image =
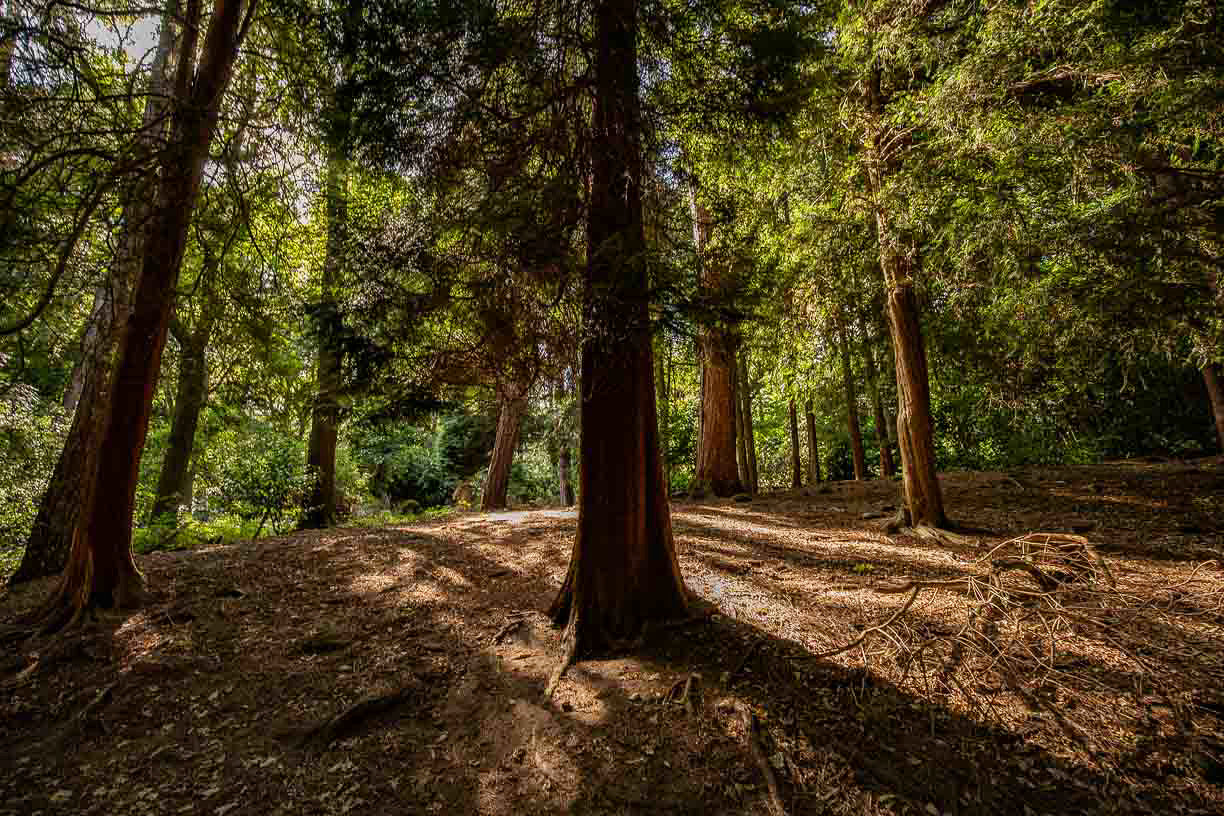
column 401, row 670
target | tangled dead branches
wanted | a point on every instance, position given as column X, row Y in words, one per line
column 1049, row 632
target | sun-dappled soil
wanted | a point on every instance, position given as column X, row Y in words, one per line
column 401, row 670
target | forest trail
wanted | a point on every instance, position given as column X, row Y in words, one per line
column 400, row 670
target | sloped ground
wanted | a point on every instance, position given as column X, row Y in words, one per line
column 225, row 695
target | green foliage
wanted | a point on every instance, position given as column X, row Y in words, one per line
column 31, row 433
column 260, row 475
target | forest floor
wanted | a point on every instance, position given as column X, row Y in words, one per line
column 401, row 670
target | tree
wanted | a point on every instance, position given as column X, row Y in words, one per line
column 795, row 457
column 623, row 571
column 100, row 569
column 64, row 502
column 852, row 419
column 813, row 448
column 716, row 470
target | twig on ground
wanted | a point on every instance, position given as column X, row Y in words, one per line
column 352, row 717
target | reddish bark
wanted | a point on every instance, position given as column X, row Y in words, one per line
column 509, row 420
column 623, row 572
column 100, row 568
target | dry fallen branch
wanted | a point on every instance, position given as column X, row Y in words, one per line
column 1037, row 609
column 347, row 721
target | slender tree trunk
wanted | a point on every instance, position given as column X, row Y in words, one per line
column 741, row 448
column 325, row 416
column 813, row 447
column 796, row 466
column 100, row 568
column 173, row 488
column 513, row 405
column 623, row 572
column 877, row 404
column 664, row 400
column 923, row 499
column 1214, row 381
column 63, row 504
column 852, row 420
column 8, row 42
column 745, row 391
column 99, row 328
column 565, row 485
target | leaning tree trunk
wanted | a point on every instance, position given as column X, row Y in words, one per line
column 100, row 569
column 813, row 446
column 745, row 392
column 1215, row 391
column 923, row 499
column 796, row 467
column 513, row 404
column 623, row 572
column 887, row 467
column 173, row 485
column 852, row 419
column 68, row 492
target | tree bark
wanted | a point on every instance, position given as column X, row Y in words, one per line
column 813, row 446
column 513, row 404
column 664, row 399
column 1214, row 381
column 745, row 392
column 877, row 404
column 70, row 489
column 623, row 572
column 320, row 510
column 716, row 471
column 100, row 569
column 923, row 499
column 852, row 420
column 796, row 467
column 190, row 394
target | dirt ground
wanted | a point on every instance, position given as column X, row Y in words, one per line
column 401, row 670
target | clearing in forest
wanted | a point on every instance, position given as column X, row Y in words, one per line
column 401, row 670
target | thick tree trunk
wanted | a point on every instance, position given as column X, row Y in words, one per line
column 63, row 504
column 100, row 568
column 190, row 394
column 320, row 510
column 623, row 572
column 513, row 405
column 852, row 420
column 796, row 466
column 813, row 447
column 877, row 405
column 716, row 468
column 1214, row 381
column 745, row 394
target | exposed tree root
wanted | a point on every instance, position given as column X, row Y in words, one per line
column 355, row 715
column 570, row 645
column 752, row 734
column 506, row 630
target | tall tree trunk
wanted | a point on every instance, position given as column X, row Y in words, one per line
column 100, row 568
column 325, row 415
column 796, row 466
column 745, row 392
column 664, row 399
column 565, row 486
column 623, row 571
column 813, row 447
column 877, row 404
column 173, row 484
column 513, row 404
column 741, row 448
column 99, row 328
column 63, row 504
column 852, row 420
column 8, row 42
column 716, row 470
column 1214, row 381
column 923, row 499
